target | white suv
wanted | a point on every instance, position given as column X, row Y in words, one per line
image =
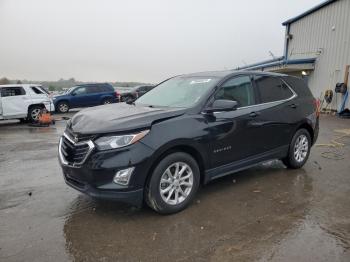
column 24, row 101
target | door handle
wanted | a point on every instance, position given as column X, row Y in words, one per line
column 293, row 105
column 254, row 114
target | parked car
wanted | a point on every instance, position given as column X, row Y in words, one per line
column 85, row 95
column 23, row 101
column 129, row 95
column 187, row 131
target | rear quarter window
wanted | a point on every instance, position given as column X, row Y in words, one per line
column 106, row 88
column 271, row 89
column 12, row 91
column 298, row 85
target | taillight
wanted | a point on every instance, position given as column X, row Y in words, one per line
column 117, row 95
column 317, row 105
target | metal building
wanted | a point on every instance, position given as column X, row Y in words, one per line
column 316, row 47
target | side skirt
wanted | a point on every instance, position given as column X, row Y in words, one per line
column 246, row 163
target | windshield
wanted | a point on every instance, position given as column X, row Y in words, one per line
column 178, row 92
column 69, row 90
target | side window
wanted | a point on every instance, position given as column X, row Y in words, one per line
column 12, row 91
column 105, row 88
column 272, row 89
column 36, row 90
column 238, row 89
column 80, row 91
column 94, row 89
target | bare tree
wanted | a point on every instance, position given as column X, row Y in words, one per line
column 4, row 81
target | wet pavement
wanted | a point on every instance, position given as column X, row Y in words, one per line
column 267, row 213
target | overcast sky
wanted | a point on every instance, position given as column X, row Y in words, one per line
column 112, row 40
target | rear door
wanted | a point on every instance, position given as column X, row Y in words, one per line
column 14, row 102
column 275, row 113
column 95, row 92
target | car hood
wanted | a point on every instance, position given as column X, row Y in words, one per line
column 119, row 118
column 59, row 96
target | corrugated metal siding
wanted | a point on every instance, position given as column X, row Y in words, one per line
column 313, row 37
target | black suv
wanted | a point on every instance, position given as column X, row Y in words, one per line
column 187, row 131
column 129, row 95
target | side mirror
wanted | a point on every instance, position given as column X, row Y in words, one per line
column 222, row 105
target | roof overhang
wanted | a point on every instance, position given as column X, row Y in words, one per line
column 310, row 11
column 283, row 65
column 291, row 68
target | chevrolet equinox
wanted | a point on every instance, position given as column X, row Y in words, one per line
column 187, row 131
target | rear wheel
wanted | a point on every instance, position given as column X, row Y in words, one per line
column 107, row 101
column 173, row 184
column 299, row 149
column 62, row 107
column 33, row 113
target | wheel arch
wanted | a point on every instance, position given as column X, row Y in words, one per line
column 191, row 150
column 104, row 97
column 62, row 100
column 33, row 105
column 309, row 128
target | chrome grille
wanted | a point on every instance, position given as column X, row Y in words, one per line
column 74, row 153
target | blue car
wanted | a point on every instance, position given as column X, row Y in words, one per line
column 85, row 95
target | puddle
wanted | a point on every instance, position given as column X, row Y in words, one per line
column 309, row 240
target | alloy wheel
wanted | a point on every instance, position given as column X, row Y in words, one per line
column 176, row 183
column 301, row 148
column 35, row 114
column 63, row 108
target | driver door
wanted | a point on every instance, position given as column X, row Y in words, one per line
column 232, row 138
column 80, row 97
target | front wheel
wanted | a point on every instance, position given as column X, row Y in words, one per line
column 299, row 149
column 33, row 113
column 62, row 107
column 173, row 184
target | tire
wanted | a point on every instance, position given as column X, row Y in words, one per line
column 184, row 186
column 62, row 107
column 33, row 113
column 299, row 149
column 107, row 101
column 129, row 99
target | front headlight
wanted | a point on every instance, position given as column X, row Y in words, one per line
column 111, row 142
